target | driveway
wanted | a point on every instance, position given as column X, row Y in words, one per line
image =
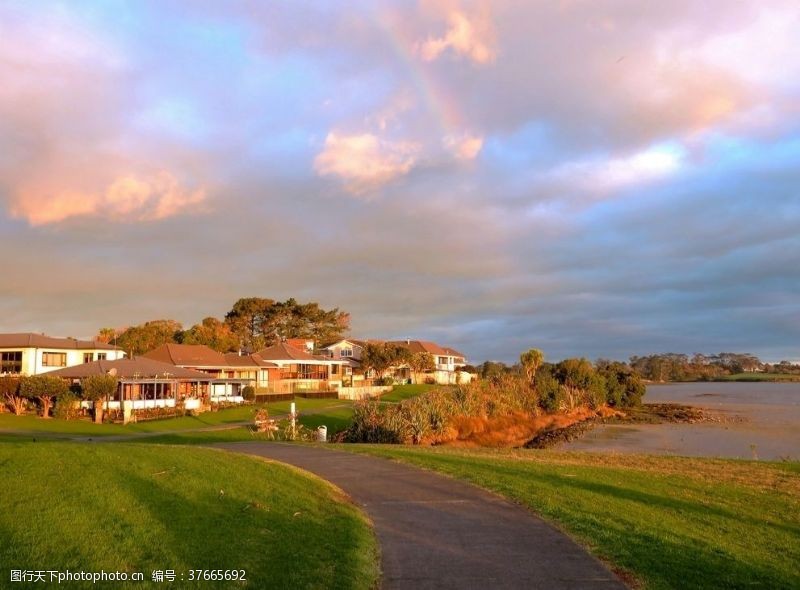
column 437, row 532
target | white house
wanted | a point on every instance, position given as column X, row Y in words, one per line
column 34, row 354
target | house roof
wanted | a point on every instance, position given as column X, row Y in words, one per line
column 129, row 368
column 234, row 359
column 285, row 352
column 31, row 340
column 187, row 355
column 426, row 346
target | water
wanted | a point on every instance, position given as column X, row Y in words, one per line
column 771, row 429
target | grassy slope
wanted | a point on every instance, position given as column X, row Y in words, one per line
column 672, row 522
column 138, row 508
column 401, row 392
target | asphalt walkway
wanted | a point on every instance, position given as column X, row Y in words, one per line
column 437, row 532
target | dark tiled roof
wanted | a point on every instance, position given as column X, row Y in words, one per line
column 142, row 367
column 31, row 340
column 284, row 352
column 187, row 355
column 234, row 359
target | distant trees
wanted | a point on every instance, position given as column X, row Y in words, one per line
column 679, row 367
column 258, row 322
column 213, row 333
column 252, row 323
column 139, row 339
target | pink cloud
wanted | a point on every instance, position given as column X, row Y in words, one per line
column 470, row 37
column 127, row 198
column 465, row 146
column 365, row 162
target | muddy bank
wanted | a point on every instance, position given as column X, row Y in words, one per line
column 646, row 414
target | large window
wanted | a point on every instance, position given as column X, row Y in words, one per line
column 345, row 352
column 11, row 362
column 54, row 359
column 87, row 357
column 101, row 356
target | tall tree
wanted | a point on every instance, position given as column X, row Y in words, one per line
column 137, row 340
column 531, row 360
column 246, row 320
column 258, row 322
column 213, row 333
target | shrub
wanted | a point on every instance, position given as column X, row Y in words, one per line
column 249, row 393
column 430, row 380
column 9, row 390
column 67, row 407
column 551, row 396
column 43, row 388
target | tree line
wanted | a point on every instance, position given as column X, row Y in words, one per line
column 252, row 324
column 669, row 366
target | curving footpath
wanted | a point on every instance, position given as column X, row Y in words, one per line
column 437, row 532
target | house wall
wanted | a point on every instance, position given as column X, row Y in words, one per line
column 33, row 358
column 336, row 350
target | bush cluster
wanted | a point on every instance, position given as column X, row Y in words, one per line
column 562, row 387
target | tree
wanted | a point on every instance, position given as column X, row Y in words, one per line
column 139, row 339
column 9, row 390
column 213, row 333
column 531, row 360
column 381, row 356
column 99, row 389
column 246, row 320
column 257, row 321
column 421, row 362
column 107, row 335
column 44, row 388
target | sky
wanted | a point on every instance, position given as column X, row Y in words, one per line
column 592, row 178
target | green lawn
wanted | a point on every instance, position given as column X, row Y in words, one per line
column 138, row 508
column 669, row 522
column 340, row 411
column 401, row 392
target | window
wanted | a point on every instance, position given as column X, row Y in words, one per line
column 11, row 362
column 87, row 357
column 334, row 369
column 54, row 359
column 442, row 360
column 345, row 352
column 101, row 356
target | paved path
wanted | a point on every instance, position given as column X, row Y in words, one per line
column 437, row 532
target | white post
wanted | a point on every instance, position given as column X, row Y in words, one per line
column 293, row 416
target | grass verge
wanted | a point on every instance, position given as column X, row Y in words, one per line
column 401, row 392
column 664, row 522
column 137, row 508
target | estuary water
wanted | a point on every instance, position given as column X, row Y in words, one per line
column 758, row 421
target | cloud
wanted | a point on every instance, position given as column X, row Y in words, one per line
column 604, row 175
column 464, row 146
column 467, row 37
column 365, row 162
column 126, row 199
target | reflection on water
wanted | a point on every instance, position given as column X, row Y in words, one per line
column 771, row 430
